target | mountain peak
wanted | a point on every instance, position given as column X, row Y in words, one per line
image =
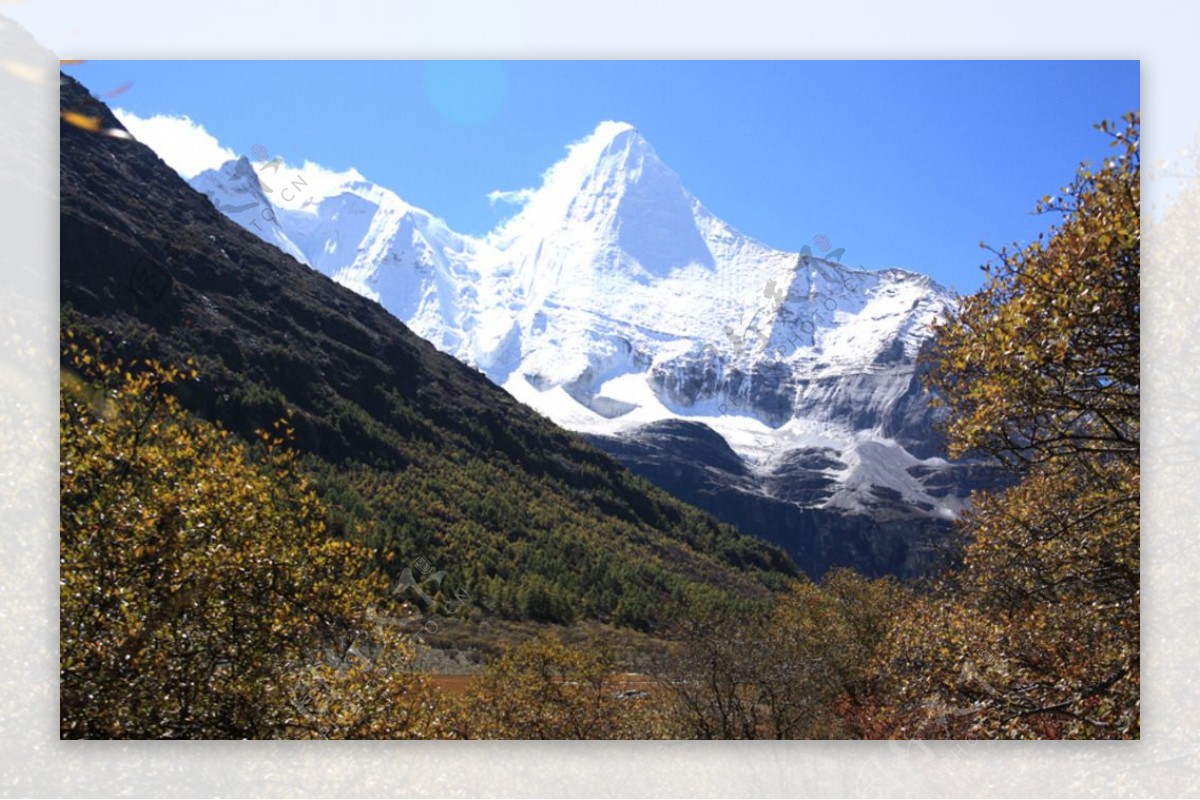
column 610, row 129
column 611, row 144
column 238, row 170
column 240, row 166
column 599, row 174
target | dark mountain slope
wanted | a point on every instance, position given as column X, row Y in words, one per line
column 693, row 463
column 415, row 452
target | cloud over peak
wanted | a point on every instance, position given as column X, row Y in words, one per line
column 185, row 145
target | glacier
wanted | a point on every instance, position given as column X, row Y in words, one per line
column 615, row 303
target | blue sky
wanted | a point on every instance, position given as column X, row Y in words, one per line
column 904, row 163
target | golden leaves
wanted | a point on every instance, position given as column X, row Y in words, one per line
column 83, row 121
column 1045, row 357
column 543, row 689
column 93, row 124
column 173, row 597
column 1038, row 635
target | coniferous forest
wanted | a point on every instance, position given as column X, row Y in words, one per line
column 284, row 515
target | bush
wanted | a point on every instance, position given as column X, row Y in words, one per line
column 200, row 594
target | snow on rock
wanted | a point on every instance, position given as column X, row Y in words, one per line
column 614, row 299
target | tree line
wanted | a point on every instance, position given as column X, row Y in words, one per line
column 208, row 589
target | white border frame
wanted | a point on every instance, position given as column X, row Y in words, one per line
column 34, row 763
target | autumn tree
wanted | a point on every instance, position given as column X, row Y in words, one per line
column 545, row 689
column 796, row 670
column 1041, row 367
column 200, row 594
column 1037, row 636
column 714, row 679
column 369, row 691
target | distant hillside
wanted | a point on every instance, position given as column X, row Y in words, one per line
column 415, row 453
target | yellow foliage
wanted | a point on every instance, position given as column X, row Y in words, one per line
column 1038, row 635
column 543, row 689
column 200, row 594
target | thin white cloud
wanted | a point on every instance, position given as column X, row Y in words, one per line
column 560, row 184
column 517, row 197
column 189, row 149
column 305, row 183
column 185, row 145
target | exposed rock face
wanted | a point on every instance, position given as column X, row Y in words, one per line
column 884, row 535
column 616, row 304
column 390, row 426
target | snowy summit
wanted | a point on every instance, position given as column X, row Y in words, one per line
column 613, row 299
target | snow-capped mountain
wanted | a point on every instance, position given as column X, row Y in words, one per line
column 615, row 303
